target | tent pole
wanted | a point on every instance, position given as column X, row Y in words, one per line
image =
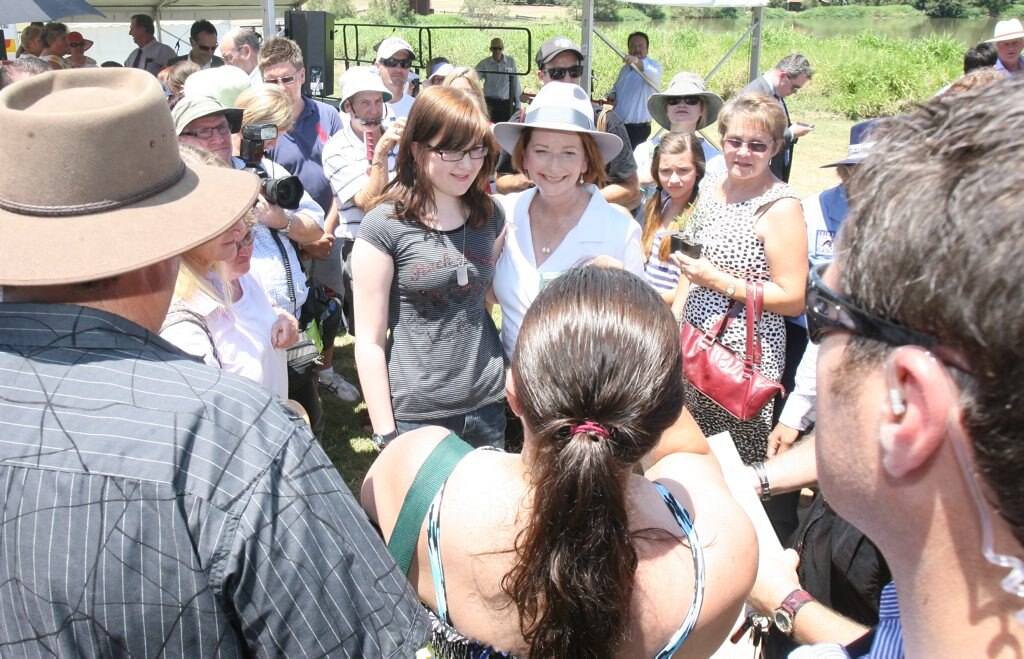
column 755, row 43
column 587, row 43
column 269, row 20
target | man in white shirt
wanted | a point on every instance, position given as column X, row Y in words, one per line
column 632, row 89
column 151, row 55
column 394, row 59
column 203, row 39
column 241, row 47
column 501, row 86
column 1009, row 40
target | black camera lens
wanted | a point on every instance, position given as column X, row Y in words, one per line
column 285, row 192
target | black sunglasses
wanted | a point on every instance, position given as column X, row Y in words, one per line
column 558, row 72
column 391, row 62
column 497, row 48
column 206, row 49
column 689, row 100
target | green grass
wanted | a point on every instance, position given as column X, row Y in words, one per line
column 345, row 439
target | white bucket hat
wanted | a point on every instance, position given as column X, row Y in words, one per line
column 559, row 106
column 1007, row 31
column 361, row 79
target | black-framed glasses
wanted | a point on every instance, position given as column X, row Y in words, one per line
column 794, row 86
column 688, row 100
column 736, row 145
column 206, row 133
column 392, row 62
column 476, row 153
column 559, row 72
column 829, row 312
column 284, row 80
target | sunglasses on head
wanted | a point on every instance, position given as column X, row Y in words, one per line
column 688, row 100
column 736, row 145
column 559, row 72
column 391, row 62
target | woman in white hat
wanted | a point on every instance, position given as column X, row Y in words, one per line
column 686, row 106
column 427, row 349
column 562, row 220
column 1009, row 41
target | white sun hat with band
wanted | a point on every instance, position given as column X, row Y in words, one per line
column 1007, row 31
column 125, row 201
column 559, row 106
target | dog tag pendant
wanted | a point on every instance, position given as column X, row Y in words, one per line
column 462, row 274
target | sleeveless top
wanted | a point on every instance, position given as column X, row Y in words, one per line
column 448, row 643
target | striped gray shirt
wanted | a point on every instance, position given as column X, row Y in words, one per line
column 154, row 506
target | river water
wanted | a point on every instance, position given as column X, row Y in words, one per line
column 967, row 31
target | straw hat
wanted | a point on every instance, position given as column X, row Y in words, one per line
column 685, row 84
column 1007, row 31
column 124, row 201
column 559, row 106
column 860, row 145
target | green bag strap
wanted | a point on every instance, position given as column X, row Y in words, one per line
column 431, row 476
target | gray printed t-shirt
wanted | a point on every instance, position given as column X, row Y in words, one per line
column 443, row 353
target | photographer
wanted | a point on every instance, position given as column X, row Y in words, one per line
column 203, row 121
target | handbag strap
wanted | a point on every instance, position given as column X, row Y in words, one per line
column 429, row 479
column 755, row 306
column 719, row 328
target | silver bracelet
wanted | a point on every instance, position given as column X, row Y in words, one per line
column 288, row 227
column 762, row 475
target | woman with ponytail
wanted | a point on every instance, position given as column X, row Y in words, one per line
column 574, row 554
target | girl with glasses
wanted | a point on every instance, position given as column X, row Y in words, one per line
column 751, row 228
column 426, row 348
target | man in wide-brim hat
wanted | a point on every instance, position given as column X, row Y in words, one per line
column 1009, row 41
column 174, row 508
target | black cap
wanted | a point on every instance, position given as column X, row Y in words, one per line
column 553, row 46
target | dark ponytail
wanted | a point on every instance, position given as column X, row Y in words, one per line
column 598, row 375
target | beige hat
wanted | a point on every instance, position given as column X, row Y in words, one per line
column 559, row 106
column 223, row 83
column 685, row 84
column 125, row 201
column 1007, row 31
column 190, row 108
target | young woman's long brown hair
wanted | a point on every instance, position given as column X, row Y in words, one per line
column 672, row 144
column 598, row 344
column 445, row 118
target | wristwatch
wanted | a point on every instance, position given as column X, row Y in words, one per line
column 730, row 291
column 380, row 441
column 784, row 615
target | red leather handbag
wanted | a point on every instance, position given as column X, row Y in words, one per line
column 736, row 385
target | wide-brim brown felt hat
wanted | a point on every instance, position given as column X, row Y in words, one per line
column 124, row 201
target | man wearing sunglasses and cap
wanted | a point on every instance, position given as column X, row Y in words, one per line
column 559, row 59
column 203, row 39
column 393, row 61
column 920, row 434
column 154, row 505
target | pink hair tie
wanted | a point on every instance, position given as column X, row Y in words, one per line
column 590, row 427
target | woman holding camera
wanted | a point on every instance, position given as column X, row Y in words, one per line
column 677, row 168
column 562, row 220
column 751, row 228
column 576, row 554
column 427, row 349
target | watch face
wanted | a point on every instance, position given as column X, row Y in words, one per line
column 783, row 621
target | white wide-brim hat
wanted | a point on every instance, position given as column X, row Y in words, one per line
column 685, row 84
column 559, row 106
column 1007, row 31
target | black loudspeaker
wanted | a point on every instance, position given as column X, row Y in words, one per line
column 314, row 32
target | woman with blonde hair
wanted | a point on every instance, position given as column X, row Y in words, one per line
column 751, row 228
column 466, row 79
column 574, row 553
column 427, row 349
column 677, row 169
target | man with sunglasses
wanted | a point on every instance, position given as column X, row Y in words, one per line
column 203, row 39
column 785, row 79
column 920, row 415
column 241, row 47
column 560, row 59
column 394, row 59
column 501, row 86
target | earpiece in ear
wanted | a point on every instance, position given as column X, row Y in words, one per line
column 896, row 403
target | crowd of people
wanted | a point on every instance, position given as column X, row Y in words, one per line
column 162, row 365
